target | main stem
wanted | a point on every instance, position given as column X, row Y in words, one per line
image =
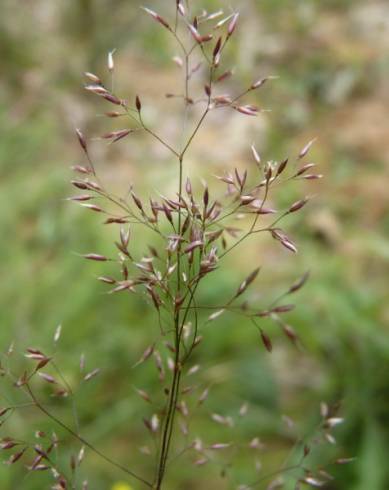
column 175, row 384
column 179, row 322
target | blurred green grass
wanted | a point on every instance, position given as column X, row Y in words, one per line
column 332, row 84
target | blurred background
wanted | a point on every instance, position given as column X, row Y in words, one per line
column 332, row 59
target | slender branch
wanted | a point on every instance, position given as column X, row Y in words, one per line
column 275, row 473
column 71, row 393
column 59, row 422
column 195, row 131
column 155, row 135
column 251, row 230
column 191, row 138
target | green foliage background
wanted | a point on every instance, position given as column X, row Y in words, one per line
column 332, row 59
